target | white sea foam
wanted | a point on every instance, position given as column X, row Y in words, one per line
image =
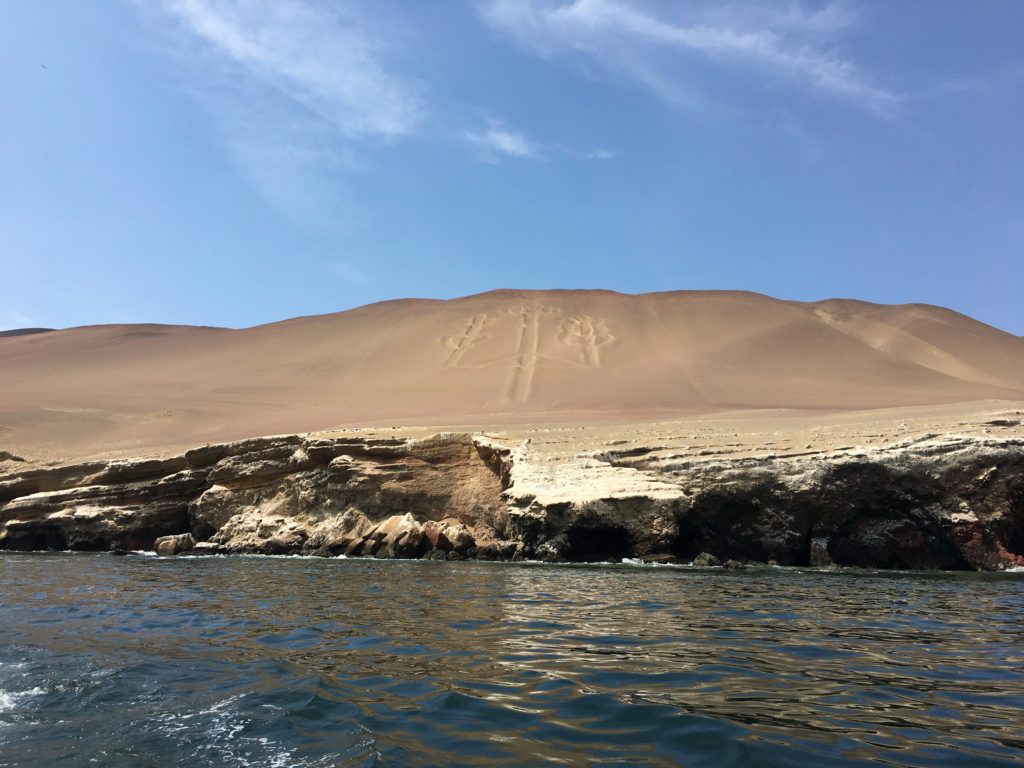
column 10, row 700
column 223, row 728
column 638, row 562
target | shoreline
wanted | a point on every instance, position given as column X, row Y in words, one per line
column 932, row 489
column 625, row 564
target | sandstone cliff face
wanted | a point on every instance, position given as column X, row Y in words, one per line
column 933, row 502
column 948, row 501
column 272, row 495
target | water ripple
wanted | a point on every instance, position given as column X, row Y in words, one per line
column 286, row 661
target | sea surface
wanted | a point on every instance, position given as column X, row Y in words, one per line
column 259, row 661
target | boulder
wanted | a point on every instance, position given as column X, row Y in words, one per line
column 435, row 536
column 552, row 551
column 399, row 536
column 705, row 559
column 174, row 545
column 458, row 534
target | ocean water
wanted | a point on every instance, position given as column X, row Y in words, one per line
column 249, row 661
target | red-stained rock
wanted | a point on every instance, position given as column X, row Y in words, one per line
column 983, row 550
column 435, row 536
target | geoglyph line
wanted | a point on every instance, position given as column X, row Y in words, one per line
column 529, row 344
column 584, row 332
column 460, row 345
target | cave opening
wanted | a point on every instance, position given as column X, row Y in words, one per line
column 596, row 543
column 1015, row 537
column 50, row 539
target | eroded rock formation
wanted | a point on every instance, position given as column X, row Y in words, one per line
column 334, row 495
column 949, row 501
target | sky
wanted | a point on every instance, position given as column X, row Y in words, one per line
column 235, row 162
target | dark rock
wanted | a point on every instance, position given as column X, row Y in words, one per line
column 507, row 549
column 753, row 518
column 488, row 552
column 281, row 545
column 552, row 551
column 819, row 556
column 594, row 542
column 706, row 559
column 411, row 545
column 734, row 565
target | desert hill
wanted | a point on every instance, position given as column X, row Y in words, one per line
column 505, row 356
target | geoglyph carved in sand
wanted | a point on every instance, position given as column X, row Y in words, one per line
column 584, row 332
column 588, row 333
column 471, row 335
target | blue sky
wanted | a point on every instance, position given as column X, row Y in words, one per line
column 234, row 163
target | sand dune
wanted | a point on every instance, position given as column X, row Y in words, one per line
column 503, row 357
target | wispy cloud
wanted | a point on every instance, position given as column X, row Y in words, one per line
column 601, row 154
column 302, row 92
column 625, row 37
column 324, row 60
column 497, row 141
column 305, row 92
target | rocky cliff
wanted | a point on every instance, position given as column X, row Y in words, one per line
column 952, row 500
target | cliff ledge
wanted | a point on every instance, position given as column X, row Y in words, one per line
column 896, row 493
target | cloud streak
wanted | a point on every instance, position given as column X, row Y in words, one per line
column 304, row 92
column 497, row 141
column 324, row 61
column 301, row 92
column 623, row 37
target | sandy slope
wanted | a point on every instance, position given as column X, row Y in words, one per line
column 504, row 357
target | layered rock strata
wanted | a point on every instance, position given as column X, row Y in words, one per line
column 933, row 501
